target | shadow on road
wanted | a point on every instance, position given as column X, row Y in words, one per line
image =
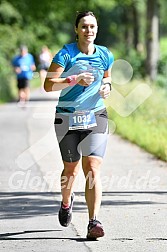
column 19, row 205
column 11, row 236
column 136, row 198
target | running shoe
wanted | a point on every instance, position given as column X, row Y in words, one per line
column 95, row 230
column 65, row 214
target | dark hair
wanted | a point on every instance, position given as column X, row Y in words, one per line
column 81, row 15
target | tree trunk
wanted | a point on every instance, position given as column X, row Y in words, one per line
column 127, row 30
column 135, row 26
column 152, row 38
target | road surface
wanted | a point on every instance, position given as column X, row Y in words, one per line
column 134, row 203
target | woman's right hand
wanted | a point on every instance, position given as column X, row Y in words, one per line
column 85, row 79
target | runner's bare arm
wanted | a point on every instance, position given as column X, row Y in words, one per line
column 106, row 88
column 54, row 82
column 107, row 76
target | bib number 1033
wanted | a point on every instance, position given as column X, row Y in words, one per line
column 82, row 120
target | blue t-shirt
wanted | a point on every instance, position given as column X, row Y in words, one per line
column 25, row 63
column 78, row 98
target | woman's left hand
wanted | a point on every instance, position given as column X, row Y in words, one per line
column 105, row 91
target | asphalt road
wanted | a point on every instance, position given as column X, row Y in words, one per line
column 134, row 203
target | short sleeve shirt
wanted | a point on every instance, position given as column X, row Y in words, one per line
column 25, row 63
column 75, row 62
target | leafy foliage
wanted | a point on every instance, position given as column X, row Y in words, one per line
column 122, row 27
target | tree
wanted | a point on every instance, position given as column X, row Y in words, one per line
column 152, row 38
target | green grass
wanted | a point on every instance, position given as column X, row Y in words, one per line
column 163, row 47
column 147, row 125
column 35, row 83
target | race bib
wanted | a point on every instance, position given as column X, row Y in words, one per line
column 82, row 120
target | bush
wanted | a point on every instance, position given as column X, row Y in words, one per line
column 137, row 62
column 161, row 80
column 134, row 58
column 5, row 80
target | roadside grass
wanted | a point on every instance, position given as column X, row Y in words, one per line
column 147, row 125
column 35, row 82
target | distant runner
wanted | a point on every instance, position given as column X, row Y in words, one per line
column 24, row 65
